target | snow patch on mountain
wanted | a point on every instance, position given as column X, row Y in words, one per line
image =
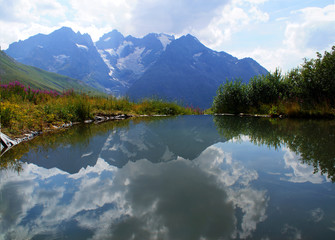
column 132, row 61
column 165, row 40
column 147, row 52
column 104, row 58
column 106, row 39
column 61, row 58
column 82, row 46
column 123, row 46
column 122, row 83
column 111, row 51
column 197, row 55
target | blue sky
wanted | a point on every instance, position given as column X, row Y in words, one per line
column 276, row 33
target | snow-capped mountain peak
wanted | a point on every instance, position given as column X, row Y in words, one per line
column 165, row 39
column 139, row 67
column 127, row 58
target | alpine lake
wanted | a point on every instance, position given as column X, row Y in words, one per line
column 185, row 177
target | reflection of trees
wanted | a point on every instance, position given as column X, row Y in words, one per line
column 314, row 140
column 77, row 135
column 8, row 161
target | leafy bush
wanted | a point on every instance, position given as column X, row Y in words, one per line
column 82, row 109
column 305, row 91
column 25, row 109
column 231, row 97
column 5, row 116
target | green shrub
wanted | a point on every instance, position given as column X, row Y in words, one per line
column 82, row 110
column 6, row 116
column 231, row 98
column 305, row 91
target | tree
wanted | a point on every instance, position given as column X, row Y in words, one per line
column 231, row 97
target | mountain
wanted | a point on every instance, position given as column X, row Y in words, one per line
column 190, row 73
column 157, row 65
column 64, row 52
column 128, row 57
column 10, row 71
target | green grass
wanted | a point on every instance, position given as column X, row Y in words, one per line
column 24, row 109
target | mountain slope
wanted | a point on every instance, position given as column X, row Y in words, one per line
column 157, row 65
column 64, row 52
column 128, row 57
column 190, row 73
column 10, row 71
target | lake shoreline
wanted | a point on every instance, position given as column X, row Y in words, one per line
column 9, row 142
column 324, row 117
column 99, row 118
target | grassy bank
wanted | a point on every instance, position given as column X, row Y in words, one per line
column 306, row 91
column 24, row 109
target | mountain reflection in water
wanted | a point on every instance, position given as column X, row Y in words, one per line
column 172, row 178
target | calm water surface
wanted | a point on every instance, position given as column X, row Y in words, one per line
column 190, row 177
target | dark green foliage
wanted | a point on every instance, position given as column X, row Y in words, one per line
column 293, row 85
column 318, row 78
column 308, row 90
column 265, row 89
column 231, row 97
column 5, row 116
column 82, row 109
column 160, row 107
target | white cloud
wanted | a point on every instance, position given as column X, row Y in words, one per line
column 31, row 11
column 130, row 17
column 141, row 17
column 282, row 58
column 307, row 31
column 258, row 15
column 314, row 28
column 49, row 8
column 20, row 19
column 232, row 18
column 16, row 11
column 174, row 16
column 100, row 13
column 215, row 23
column 257, row 1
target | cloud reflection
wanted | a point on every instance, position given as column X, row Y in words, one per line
column 179, row 199
column 317, row 214
column 301, row 172
column 232, row 175
column 291, row 232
